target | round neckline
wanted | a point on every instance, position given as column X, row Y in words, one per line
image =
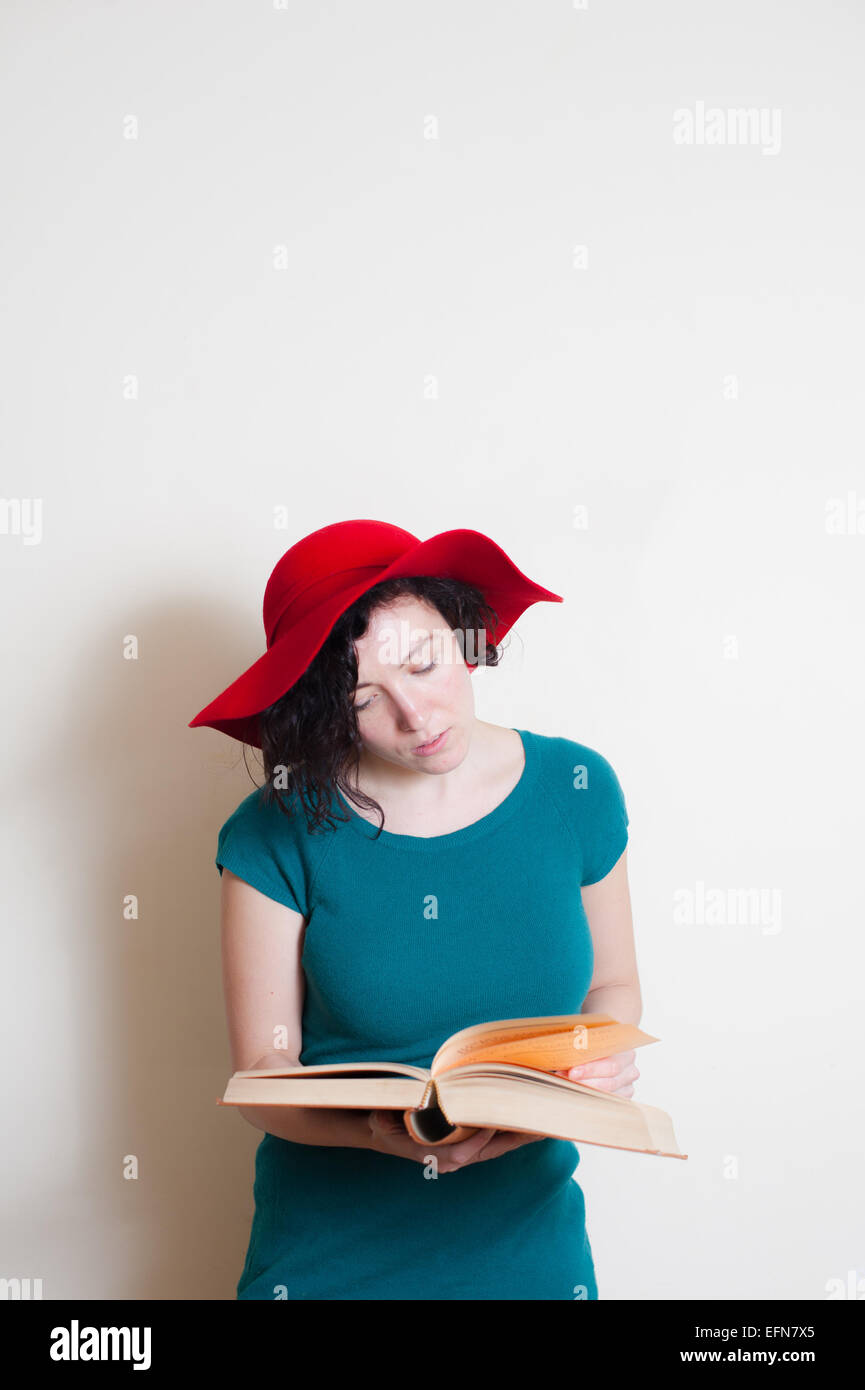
column 491, row 821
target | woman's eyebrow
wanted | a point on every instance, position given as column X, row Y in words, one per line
column 420, row 641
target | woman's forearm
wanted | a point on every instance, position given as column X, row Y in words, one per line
column 306, row 1124
column 311, row 1124
column 623, row 1002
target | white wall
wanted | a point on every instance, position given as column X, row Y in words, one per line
column 169, row 388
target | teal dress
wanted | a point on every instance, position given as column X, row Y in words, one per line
column 407, row 940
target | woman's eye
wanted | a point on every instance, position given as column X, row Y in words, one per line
column 421, row 671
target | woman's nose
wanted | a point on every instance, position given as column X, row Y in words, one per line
column 410, row 715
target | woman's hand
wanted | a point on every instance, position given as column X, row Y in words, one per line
column 390, row 1136
column 615, row 1074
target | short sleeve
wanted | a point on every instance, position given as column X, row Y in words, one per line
column 258, row 843
column 603, row 818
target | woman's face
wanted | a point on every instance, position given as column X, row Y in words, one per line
column 413, row 685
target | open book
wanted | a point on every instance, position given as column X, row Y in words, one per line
column 493, row 1075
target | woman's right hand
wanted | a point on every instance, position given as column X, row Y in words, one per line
column 390, row 1136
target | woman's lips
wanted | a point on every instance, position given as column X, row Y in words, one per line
column 425, row 749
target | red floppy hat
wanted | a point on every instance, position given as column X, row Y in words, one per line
column 322, row 575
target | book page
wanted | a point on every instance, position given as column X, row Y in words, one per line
column 551, row 1043
column 348, row 1069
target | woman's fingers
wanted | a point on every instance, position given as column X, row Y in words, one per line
column 469, row 1148
column 386, row 1122
column 507, row 1139
column 614, row 1074
column 605, row 1066
column 609, row 1083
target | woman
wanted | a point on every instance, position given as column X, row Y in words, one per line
column 408, row 870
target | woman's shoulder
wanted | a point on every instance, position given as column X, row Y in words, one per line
column 253, row 816
column 582, row 783
column 272, row 848
column 571, row 758
column 264, row 817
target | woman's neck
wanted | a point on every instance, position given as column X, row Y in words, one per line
column 494, row 760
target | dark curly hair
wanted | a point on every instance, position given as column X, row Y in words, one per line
column 310, row 741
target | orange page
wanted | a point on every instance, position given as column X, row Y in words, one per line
column 549, row 1045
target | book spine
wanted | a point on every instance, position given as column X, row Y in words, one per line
column 432, row 1101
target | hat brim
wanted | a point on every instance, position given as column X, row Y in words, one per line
column 461, row 554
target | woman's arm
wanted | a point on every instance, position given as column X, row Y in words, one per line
column 262, row 944
column 615, row 987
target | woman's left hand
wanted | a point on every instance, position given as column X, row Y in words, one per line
column 614, row 1074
